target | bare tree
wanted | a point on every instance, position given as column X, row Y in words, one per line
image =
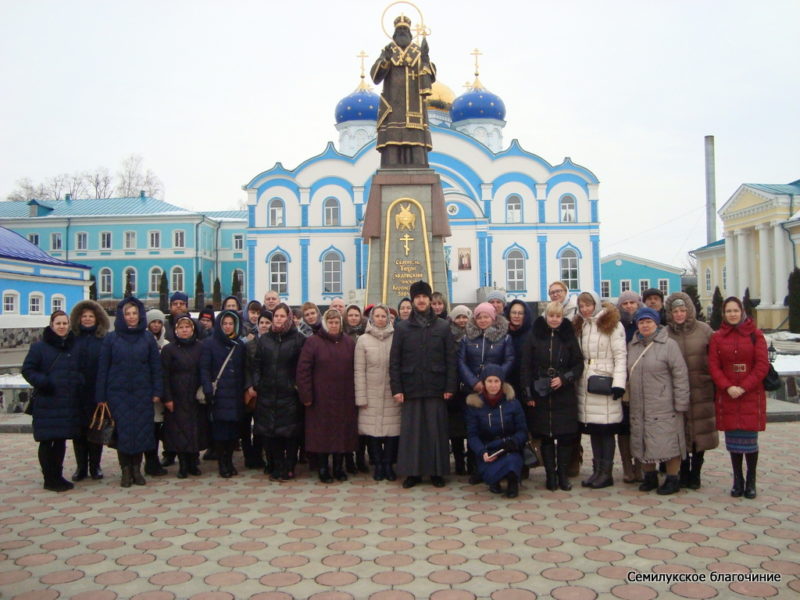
column 77, row 184
column 132, row 178
column 56, row 186
column 27, row 190
column 100, row 182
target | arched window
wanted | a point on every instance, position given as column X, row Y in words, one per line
column 177, row 279
column 155, row 279
column 239, row 274
column 514, row 209
column 331, row 273
column 129, row 278
column 11, row 302
column 567, row 210
column 331, row 209
column 275, row 213
column 57, row 302
column 105, row 281
column 35, row 303
column 568, row 268
column 515, row 271
column 708, row 279
column 278, row 273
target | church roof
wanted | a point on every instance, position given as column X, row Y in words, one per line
column 14, row 246
column 80, row 207
column 774, row 188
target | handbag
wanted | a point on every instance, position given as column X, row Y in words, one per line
column 542, row 387
column 599, row 384
column 772, row 382
column 102, row 429
column 532, row 453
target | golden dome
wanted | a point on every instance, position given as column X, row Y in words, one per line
column 441, row 98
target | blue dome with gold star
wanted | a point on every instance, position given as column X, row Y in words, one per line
column 478, row 103
column 361, row 105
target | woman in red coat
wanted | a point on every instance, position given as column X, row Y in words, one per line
column 738, row 362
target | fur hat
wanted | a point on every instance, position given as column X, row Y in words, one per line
column 628, row 296
column 460, row 310
column 154, row 315
column 484, row 308
column 420, row 287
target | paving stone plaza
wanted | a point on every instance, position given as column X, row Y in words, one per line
column 246, row 537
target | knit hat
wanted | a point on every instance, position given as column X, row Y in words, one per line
column 484, row 308
column 207, row 312
column 496, row 295
column 420, row 287
column 492, row 369
column 179, row 296
column 459, row 311
column 183, row 317
column 647, row 313
column 628, row 296
column 652, row 292
column 154, row 315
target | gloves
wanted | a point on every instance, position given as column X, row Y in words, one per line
column 617, row 392
column 510, row 445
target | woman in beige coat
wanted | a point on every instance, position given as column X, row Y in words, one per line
column 659, row 399
column 378, row 413
column 692, row 337
column 602, row 341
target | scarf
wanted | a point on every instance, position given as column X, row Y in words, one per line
column 493, row 401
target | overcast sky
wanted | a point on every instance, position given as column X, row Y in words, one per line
column 212, row 93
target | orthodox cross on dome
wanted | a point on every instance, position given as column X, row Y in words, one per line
column 477, row 84
column 363, row 84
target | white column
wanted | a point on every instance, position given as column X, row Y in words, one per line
column 766, row 267
column 781, row 272
column 742, row 264
column 730, row 266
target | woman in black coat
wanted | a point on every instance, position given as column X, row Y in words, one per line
column 270, row 379
column 129, row 380
column 89, row 323
column 222, row 377
column 185, row 418
column 51, row 367
column 551, row 363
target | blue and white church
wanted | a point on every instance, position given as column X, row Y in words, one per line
column 517, row 221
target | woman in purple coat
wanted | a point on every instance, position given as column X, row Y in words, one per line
column 327, row 390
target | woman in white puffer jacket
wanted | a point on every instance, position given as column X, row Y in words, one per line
column 602, row 340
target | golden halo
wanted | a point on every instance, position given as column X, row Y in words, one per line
column 412, row 5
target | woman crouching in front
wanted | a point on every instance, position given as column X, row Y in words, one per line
column 496, row 432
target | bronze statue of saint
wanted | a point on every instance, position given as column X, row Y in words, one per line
column 404, row 137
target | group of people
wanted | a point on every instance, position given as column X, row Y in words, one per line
column 403, row 389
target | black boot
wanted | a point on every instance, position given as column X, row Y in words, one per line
column 51, row 460
column 512, row 489
column 459, row 458
column 95, row 455
column 549, row 459
column 324, row 470
column 390, row 445
column 168, row 458
column 376, row 455
column 126, row 480
column 136, row 469
column 604, row 476
column 563, row 453
column 683, row 475
column 152, row 466
column 361, row 459
column 738, row 477
column 229, row 457
column 193, row 463
column 338, row 471
column 183, row 466
column 595, row 472
column 650, row 481
column 350, row 464
column 750, row 483
column 695, row 465
column 81, row 448
column 671, row 485
column 576, row 460
column 222, row 462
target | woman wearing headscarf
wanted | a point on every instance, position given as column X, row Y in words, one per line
column 354, row 325
column 89, row 324
column 270, row 379
column 311, row 321
column 404, row 308
column 130, row 381
column 602, row 341
column 185, row 418
column 659, row 398
column 692, row 337
column 551, row 364
column 627, row 304
column 51, row 367
column 456, row 426
column 738, row 361
column 497, row 431
column 329, row 396
column 378, row 413
column 222, row 378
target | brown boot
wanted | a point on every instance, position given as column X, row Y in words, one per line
column 576, row 460
column 624, row 443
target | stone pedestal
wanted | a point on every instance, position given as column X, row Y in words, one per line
column 404, row 228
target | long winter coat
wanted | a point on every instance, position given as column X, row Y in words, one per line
column 271, row 371
column 518, row 337
column 88, row 342
column 692, row 337
column 51, row 367
column 327, row 391
column 378, row 413
column 734, row 359
column 488, row 429
column 602, row 341
column 422, row 363
column 659, row 399
column 554, row 353
column 186, row 427
column 482, row 347
column 227, row 405
column 128, row 378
